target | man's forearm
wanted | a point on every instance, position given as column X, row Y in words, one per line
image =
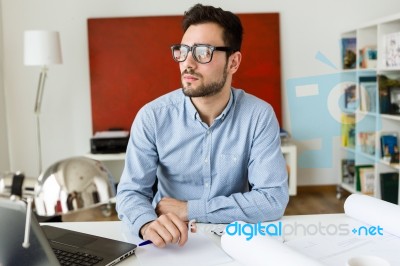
column 252, row 207
column 170, row 205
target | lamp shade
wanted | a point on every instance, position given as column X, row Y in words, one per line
column 42, row 48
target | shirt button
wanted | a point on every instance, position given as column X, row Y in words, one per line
column 205, row 160
column 208, row 132
column 206, row 184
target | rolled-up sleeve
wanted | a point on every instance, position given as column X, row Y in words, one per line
column 134, row 193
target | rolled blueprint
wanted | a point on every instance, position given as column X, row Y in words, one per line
column 374, row 212
column 263, row 250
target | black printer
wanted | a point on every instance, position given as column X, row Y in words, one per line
column 109, row 142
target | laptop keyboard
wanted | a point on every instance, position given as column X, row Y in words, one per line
column 69, row 258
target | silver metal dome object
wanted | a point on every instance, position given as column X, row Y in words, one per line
column 73, row 184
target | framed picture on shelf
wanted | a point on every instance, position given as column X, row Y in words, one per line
column 367, row 177
column 389, row 147
column 367, row 142
column 394, row 98
column 368, row 57
column 358, row 179
column 391, row 55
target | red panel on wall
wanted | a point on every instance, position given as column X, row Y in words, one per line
column 131, row 64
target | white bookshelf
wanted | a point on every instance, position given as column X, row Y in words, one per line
column 370, row 35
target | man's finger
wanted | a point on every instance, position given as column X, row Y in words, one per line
column 182, row 227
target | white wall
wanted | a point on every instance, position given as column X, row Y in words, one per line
column 4, row 153
column 307, row 27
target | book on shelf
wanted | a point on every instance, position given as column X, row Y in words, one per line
column 368, row 94
column 350, row 96
column 391, row 50
column 366, row 142
column 349, row 56
column 348, row 130
column 390, row 187
column 368, row 57
column 348, row 171
column 361, row 184
column 389, row 147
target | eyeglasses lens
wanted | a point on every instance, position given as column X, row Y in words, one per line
column 202, row 54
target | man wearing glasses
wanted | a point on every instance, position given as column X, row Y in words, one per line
column 214, row 150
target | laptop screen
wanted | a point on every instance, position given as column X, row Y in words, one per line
column 12, row 229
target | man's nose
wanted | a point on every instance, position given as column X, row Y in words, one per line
column 189, row 62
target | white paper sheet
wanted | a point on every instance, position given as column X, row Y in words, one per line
column 338, row 250
column 111, row 134
column 361, row 210
column 263, row 250
column 374, row 211
column 199, row 250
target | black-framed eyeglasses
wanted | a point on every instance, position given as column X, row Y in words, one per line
column 202, row 53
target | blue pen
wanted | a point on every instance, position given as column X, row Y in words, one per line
column 144, row 243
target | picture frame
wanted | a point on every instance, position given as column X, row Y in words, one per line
column 367, row 179
column 368, row 57
column 359, row 178
column 391, row 46
column 366, row 142
column 389, row 146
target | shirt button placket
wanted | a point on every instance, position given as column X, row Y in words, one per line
column 207, row 164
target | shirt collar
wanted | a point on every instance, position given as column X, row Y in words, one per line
column 195, row 115
column 227, row 108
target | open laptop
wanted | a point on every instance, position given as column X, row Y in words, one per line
column 48, row 243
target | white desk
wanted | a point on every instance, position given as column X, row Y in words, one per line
column 116, row 230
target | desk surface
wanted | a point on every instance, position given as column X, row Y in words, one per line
column 116, row 230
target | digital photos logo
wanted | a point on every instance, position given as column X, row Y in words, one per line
column 280, row 229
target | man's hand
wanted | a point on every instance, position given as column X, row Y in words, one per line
column 170, row 205
column 166, row 229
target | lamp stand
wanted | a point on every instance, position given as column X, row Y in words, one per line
column 38, row 105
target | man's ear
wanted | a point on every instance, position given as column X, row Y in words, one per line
column 236, row 58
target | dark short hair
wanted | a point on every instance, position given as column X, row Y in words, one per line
column 231, row 24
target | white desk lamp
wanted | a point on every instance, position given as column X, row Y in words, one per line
column 41, row 48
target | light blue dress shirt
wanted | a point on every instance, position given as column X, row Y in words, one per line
column 209, row 167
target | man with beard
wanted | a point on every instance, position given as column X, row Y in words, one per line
column 214, row 150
